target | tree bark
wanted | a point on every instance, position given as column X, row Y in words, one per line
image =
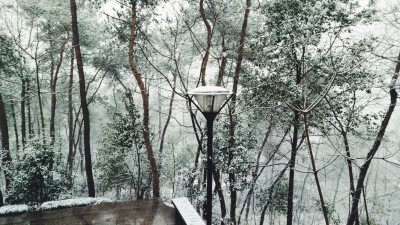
column 5, row 142
column 365, row 206
column 315, row 172
column 247, row 200
column 232, row 176
column 256, row 173
column 350, row 168
column 23, row 122
column 52, row 100
column 221, row 197
column 30, row 124
column 82, row 157
column 164, row 131
column 270, row 192
column 223, row 62
column 85, row 109
column 39, row 94
column 145, row 100
column 292, row 164
column 1, row 199
column 207, row 53
column 199, row 139
column 375, row 147
column 241, row 50
column 343, row 131
column 15, row 125
column 53, row 84
column 71, row 134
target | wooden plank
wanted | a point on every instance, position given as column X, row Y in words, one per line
column 143, row 212
column 186, row 211
column 169, row 214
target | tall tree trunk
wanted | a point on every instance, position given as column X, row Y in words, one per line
column 139, row 195
column 224, row 60
column 85, row 109
column 270, row 192
column 71, row 134
column 82, row 157
column 164, row 131
column 23, row 122
column 375, row 147
column 1, row 199
column 315, row 172
column 207, row 53
column 52, row 101
column 53, row 84
column 15, row 125
column 145, row 100
column 292, row 163
column 350, row 168
column 232, row 176
column 204, row 186
column 39, row 94
column 343, row 131
column 30, row 122
column 38, row 130
column 221, row 197
column 5, row 142
column 199, row 138
column 256, row 173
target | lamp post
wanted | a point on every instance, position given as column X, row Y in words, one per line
column 211, row 100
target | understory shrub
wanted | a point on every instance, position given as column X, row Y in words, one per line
column 33, row 180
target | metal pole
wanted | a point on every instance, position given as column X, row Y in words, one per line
column 210, row 122
column 210, row 116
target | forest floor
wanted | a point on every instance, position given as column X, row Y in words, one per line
column 143, row 212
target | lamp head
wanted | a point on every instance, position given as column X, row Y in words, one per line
column 210, row 98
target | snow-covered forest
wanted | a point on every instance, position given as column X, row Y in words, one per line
column 93, row 104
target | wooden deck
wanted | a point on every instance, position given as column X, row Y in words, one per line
column 142, row 212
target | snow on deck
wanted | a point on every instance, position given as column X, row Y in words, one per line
column 151, row 211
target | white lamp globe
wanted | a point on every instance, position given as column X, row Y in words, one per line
column 210, row 98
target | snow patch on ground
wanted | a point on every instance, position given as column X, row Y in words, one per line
column 72, row 203
column 10, row 209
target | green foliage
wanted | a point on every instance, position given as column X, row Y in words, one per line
column 33, row 183
column 121, row 160
column 285, row 38
column 303, row 38
column 279, row 196
column 237, row 158
column 10, row 59
column 310, row 40
column 372, row 221
column 333, row 216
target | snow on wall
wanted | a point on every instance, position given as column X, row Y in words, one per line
column 72, row 203
column 9, row 209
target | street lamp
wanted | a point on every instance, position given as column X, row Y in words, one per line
column 211, row 100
